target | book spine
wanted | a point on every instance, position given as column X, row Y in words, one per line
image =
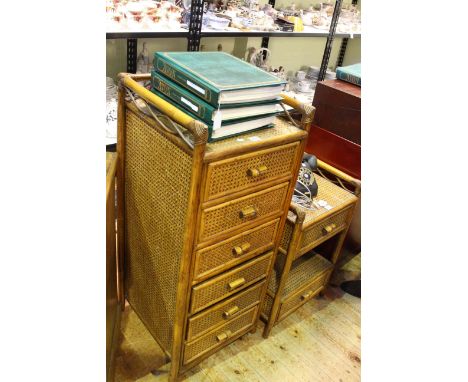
column 187, row 80
column 167, row 99
column 188, row 103
column 348, row 77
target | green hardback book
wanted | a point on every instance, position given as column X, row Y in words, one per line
column 228, row 128
column 204, row 110
column 351, row 74
column 217, row 77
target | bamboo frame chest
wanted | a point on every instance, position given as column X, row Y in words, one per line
column 202, row 226
column 309, row 249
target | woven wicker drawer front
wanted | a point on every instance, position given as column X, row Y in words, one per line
column 215, row 289
column 323, row 230
column 242, row 212
column 236, row 174
column 303, row 295
column 218, row 337
column 212, row 260
column 224, row 311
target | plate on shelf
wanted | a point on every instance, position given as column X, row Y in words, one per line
column 321, row 27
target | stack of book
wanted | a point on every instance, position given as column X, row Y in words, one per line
column 229, row 95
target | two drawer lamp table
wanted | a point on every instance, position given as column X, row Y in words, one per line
column 309, row 249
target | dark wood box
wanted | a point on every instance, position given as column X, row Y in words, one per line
column 338, row 105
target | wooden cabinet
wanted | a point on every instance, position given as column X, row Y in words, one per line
column 309, row 249
column 202, row 224
column 335, row 136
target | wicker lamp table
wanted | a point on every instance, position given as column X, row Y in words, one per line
column 300, row 272
column 202, row 224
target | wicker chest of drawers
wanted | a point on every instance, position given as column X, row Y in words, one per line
column 202, row 225
column 309, row 248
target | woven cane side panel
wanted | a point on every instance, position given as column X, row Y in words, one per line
column 287, row 234
column 210, row 341
column 215, row 316
column 273, row 282
column 232, row 175
column 213, row 290
column 267, row 305
column 306, row 294
column 316, row 231
column 226, row 216
column 157, row 180
column 217, row 256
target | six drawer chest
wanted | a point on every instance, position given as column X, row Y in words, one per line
column 201, row 225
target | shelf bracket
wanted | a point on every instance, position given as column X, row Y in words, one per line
column 344, row 45
column 329, row 43
column 132, row 44
column 266, row 40
column 195, row 25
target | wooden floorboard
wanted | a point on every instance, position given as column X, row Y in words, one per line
column 319, row 342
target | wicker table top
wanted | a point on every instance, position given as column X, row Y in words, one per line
column 334, row 195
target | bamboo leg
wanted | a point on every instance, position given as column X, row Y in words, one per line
column 121, row 195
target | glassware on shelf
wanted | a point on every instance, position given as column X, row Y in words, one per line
column 111, row 89
column 136, row 15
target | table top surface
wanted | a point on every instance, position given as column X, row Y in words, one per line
column 334, row 195
column 343, row 86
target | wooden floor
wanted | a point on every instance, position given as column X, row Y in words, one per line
column 318, row 342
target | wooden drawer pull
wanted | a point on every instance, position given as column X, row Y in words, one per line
column 257, row 171
column 236, row 283
column 230, row 312
column 223, row 336
column 239, row 250
column 248, row 212
column 305, row 296
column 329, row 228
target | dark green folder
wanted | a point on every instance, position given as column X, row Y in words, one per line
column 196, row 105
column 208, row 74
column 212, row 136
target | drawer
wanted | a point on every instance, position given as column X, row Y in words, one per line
column 242, row 212
column 219, row 337
column 319, row 232
column 212, row 260
column 217, row 288
column 224, row 311
column 239, row 173
column 304, row 294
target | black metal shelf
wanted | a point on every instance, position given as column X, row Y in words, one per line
column 143, row 34
column 273, row 34
column 184, row 34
